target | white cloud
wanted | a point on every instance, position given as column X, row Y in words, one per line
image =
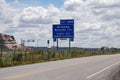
column 72, row 4
column 97, row 22
column 39, row 14
column 33, row 13
column 110, row 2
column 2, row 7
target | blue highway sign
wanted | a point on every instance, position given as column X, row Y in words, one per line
column 63, row 31
column 67, row 21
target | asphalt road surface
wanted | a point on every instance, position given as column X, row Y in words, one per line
column 71, row 69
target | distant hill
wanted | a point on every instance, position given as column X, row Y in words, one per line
column 60, row 48
column 65, row 48
column 37, row 48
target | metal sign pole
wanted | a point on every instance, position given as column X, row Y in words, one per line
column 53, row 48
column 69, row 46
column 57, row 44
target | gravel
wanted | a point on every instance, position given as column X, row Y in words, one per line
column 116, row 76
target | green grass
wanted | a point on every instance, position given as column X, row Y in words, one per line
column 12, row 58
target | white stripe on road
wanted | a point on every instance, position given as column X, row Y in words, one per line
column 103, row 70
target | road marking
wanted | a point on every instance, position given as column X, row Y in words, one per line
column 41, row 71
column 103, row 70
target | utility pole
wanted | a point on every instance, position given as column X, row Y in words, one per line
column 38, row 44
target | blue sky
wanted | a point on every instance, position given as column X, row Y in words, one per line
column 97, row 22
column 45, row 3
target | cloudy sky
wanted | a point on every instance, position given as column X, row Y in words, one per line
column 97, row 22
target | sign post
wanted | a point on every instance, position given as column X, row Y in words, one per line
column 57, row 44
column 69, row 44
column 64, row 30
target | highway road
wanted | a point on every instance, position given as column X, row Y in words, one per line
column 71, row 69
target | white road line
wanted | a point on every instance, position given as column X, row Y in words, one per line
column 103, row 70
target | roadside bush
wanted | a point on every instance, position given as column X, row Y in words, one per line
column 18, row 58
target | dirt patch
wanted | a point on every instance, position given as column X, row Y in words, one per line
column 116, row 76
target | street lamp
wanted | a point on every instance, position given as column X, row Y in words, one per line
column 37, row 43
